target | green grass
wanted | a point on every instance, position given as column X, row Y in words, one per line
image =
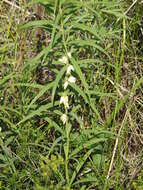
column 93, row 141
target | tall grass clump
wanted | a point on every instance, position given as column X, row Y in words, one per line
column 65, row 108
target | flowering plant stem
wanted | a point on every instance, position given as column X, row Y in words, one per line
column 67, row 153
column 67, row 124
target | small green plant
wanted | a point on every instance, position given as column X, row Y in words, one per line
column 51, row 166
column 138, row 183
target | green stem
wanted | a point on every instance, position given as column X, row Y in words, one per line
column 67, row 151
column 67, row 125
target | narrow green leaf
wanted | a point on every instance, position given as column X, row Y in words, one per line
column 37, row 23
column 79, row 91
column 32, row 85
column 102, row 94
column 56, row 82
column 55, row 143
column 91, row 142
column 115, row 12
column 9, row 140
column 54, row 124
column 80, row 164
column 6, row 78
column 89, row 42
column 86, row 180
column 38, row 112
column 44, row 2
column 84, row 27
column 7, row 121
column 2, row 157
column 80, row 74
column 42, row 91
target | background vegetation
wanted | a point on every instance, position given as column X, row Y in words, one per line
column 98, row 145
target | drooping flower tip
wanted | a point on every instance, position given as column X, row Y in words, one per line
column 64, row 100
column 69, row 69
column 72, row 79
column 64, row 118
column 64, row 59
column 66, row 85
column 69, row 54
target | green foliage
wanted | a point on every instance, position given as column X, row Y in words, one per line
column 138, row 184
column 59, row 135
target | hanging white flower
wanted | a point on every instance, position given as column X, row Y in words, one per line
column 64, row 100
column 65, row 85
column 69, row 54
column 69, row 69
column 64, row 59
column 64, row 118
column 72, row 79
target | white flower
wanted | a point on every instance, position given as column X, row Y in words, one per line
column 69, row 69
column 65, row 85
column 64, row 100
column 0, row 129
column 64, row 118
column 69, row 54
column 72, row 79
column 64, row 59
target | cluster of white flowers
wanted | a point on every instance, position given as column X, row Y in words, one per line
column 65, row 100
column 68, row 79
